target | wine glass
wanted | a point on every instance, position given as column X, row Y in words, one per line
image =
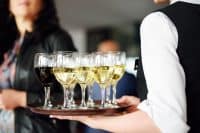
column 119, row 69
column 83, row 74
column 64, row 72
column 43, row 64
column 108, row 101
column 102, row 72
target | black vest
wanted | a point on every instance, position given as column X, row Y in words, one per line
column 186, row 18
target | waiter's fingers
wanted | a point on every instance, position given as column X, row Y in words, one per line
column 2, row 106
column 1, row 102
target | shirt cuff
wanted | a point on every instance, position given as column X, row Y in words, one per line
column 166, row 121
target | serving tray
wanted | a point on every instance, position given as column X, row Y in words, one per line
column 108, row 111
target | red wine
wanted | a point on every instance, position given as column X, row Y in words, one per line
column 45, row 74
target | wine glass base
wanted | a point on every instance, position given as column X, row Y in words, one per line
column 90, row 104
column 47, row 107
column 108, row 105
column 73, row 106
column 83, row 107
column 50, row 105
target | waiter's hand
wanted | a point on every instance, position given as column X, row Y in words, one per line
column 128, row 100
column 1, row 103
column 11, row 99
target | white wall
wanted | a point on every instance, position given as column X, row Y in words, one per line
column 79, row 37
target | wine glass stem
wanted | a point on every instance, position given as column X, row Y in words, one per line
column 108, row 101
column 90, row 92
column 71, row 95
column 47, row 101
column 66, row 97
column 114, row 95
column 83, row 88
column 103, row 97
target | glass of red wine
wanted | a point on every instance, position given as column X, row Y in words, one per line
column 43, row 65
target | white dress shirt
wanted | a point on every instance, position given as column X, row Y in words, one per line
column 165, row 77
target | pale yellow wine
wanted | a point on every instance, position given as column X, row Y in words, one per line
column 103, row 74
column 83, row 75
column 65, row 76
column 118, row 72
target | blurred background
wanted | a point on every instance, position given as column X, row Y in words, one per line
column 90, row 22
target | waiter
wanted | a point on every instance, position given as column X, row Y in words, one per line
column 170, row 51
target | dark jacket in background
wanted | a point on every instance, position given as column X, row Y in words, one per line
column 26, row 80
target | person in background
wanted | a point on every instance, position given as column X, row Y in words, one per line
column 108, row 45
column 27, row 27
column 170, row 64
column 126, row 85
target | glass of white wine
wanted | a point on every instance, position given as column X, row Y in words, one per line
column 64, row 72
column 83, row 74
column 103, row 72
column 119, row 69
column 108, row 101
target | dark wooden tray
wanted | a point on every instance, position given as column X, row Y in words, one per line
column 71, row 112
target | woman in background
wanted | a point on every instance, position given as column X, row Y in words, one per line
column 27, row 27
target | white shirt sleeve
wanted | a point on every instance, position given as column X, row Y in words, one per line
column 165, row 77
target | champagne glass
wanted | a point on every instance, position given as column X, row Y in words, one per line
column 64, row 72
column 112, row 57
column 102, row 72
column 83, row 74
column 43, row 64
column 119, row 69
